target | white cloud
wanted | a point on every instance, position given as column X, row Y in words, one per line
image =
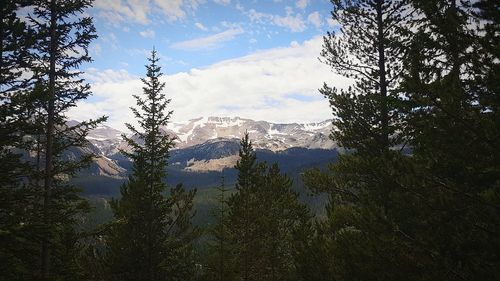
column 95, row 49
column 258, row 86
column 258, row 16
column 239, row 7
column 138, row 11
column 315, row 19
column 117, row 11
column 208, row 42
column 294, row 23
column 302, row 4
column 223, row 2
column 109, row 40
column 172, row 9
column 96, row 76
column 200, row 26
column 331, row 22
column 147, row 33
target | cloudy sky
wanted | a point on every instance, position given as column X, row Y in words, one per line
column 255, row 59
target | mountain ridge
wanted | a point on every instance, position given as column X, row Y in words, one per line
column 264, row 134
column 207, row 146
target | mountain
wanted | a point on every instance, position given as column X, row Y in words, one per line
column 205, row 147
column 106, row 139
column 265, row 135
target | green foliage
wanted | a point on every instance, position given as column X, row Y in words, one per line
column 219, row 258
column 424, row 215
column 266, row 221
column 368, row 49
column 151, row 236
column 63, row 34
column 452, row 118
column 14, row 194
column 47, row 48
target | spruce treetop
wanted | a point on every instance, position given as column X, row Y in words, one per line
column 151, row 144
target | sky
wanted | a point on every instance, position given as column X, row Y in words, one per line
column 254, row 59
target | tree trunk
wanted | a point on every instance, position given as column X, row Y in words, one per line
column 384, row 115
column 49, row 140
column 2, row 6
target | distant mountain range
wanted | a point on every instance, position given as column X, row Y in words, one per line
column 264, row 135
column 207, row 146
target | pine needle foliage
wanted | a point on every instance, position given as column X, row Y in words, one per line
column 151, row 236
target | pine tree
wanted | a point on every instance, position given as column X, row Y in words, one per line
column 363, row 235
column 50, row 45
column 266, row 221
column 62, row 39
column 368, row 49
column 151, row 236
column 431, row 215
column 219, row 257
column 243, row 213
column 15, row 195
column 283, row 227
column 453, row 123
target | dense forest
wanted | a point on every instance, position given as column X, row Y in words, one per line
column 414, row 196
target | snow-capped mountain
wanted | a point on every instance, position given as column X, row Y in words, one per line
column 211, row 143
column 106, row 139
column 207, row 146
column 264, row 135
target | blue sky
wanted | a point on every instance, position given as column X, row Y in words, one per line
column 256, row 59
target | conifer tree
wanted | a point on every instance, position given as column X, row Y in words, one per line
column 452, row 120
column 243, row 212
column 368, row 49
column 283, row 226
column 50, row 45
column 15, row 195
column 219, row 258
column 430, row 215
column 266, row 220
column 362, row 234
column 151, row 237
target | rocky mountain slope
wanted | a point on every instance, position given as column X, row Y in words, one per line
column 265, row 135
column 207, row 146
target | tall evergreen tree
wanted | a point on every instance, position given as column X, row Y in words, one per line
column 266, row 220
column 15, row 195
column 367, row 48
column 243, row 213
column 453, row 123
column 43, row 47
column 63, row 34
column 220, row 265
column 151, row 236
column 362, row 234
column 432, row 215
column 284, row 225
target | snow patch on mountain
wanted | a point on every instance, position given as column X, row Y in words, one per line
column 264, row 135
